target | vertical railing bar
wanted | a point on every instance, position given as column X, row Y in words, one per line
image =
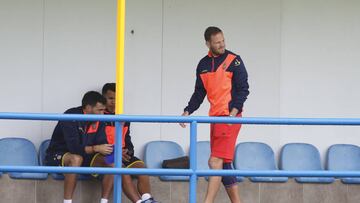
column 193, row 161
column 118, row 161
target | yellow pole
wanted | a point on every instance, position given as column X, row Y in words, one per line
column 120, row 47
column 119, row 102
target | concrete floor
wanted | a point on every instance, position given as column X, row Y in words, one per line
column 51, row 191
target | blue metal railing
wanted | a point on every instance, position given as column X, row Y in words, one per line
column 192, row 172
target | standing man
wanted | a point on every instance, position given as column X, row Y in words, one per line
column 221, row 75
column 81, row 143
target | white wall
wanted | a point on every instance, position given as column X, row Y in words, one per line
column 52, row 52
column 301, row 57
column 143, row 68
column 320, row 69
column 78, row 52
column 21, row 64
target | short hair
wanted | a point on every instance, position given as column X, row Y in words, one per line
column 210, row 31
column 92, row 98
column 107, row 87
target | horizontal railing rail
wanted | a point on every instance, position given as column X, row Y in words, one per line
column 181, row 119
column 177, row 172
column 192, row 172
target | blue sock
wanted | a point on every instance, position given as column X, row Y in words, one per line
column 228, row 181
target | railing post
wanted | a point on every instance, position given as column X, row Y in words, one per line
column 118, row 161
column 193, row 161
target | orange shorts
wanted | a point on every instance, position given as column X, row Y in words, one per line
column 223, row 139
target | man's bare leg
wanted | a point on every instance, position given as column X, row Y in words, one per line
column 108, row 180
column 70, row 179
column 214, row 181
column 233, row 193
column 143, row 184
column 130, row 189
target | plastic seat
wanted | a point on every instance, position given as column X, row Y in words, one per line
column 256, row 156
column 57, row 176
column 157, row 151
column 20, row 152
column 344, row 157
column 202, row 156
column 302, row 157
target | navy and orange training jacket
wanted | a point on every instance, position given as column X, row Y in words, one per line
column 224, row 80
column 110, row 134
column 74, row 136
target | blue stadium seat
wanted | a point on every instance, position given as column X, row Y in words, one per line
column 256, row 156
column 344, row 157
column 202, row 156
column 20, row 152
column 157, row 151
column 302, row 157
column 57, row 176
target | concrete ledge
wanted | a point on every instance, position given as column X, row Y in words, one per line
column 51, row 191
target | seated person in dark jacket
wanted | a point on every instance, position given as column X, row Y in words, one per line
column 141, row 193
column 81, row 143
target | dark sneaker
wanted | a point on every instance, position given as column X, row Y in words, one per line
column 150, row 200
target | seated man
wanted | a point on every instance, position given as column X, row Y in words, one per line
column 141, row 193
column 81, row 143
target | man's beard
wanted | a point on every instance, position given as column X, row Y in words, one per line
column 216, row 52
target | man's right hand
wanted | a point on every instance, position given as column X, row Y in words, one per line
column 186, row 113
column 125, row 155
column 104, row 149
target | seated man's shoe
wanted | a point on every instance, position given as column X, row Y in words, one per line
column 150, row 200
